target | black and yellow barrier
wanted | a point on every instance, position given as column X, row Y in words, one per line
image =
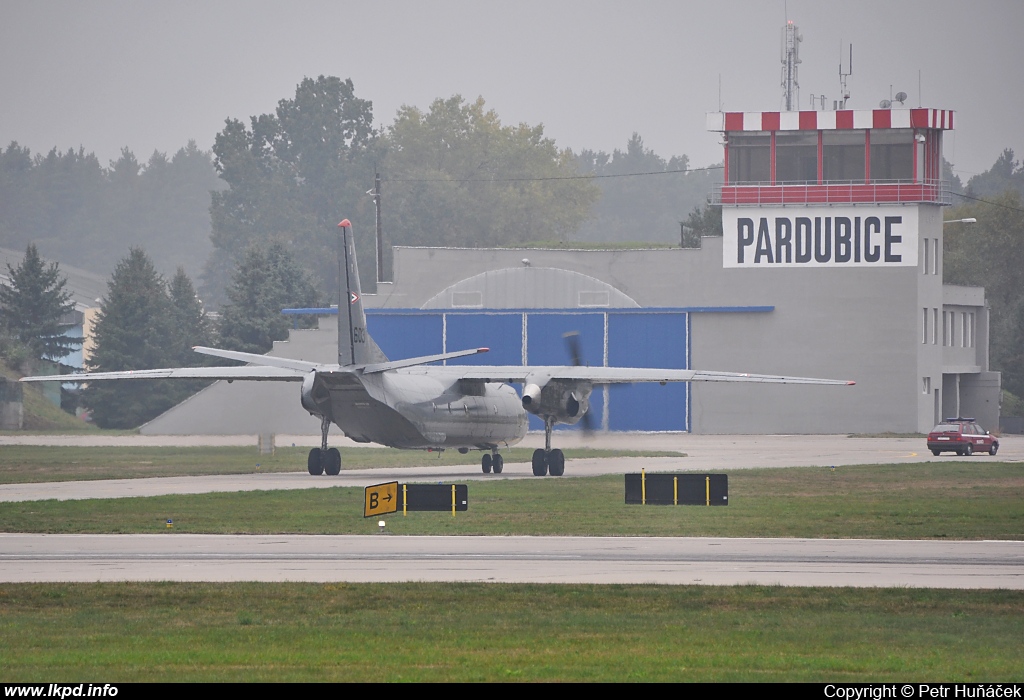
column 677, row 489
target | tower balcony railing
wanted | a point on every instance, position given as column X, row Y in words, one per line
column 755, row 194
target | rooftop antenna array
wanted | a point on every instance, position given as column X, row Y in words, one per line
column 901, row 97
column 843, row 90
column 790, row 60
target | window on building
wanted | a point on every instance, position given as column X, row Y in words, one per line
column 926, row 385
column 971, row 329
column 935, row 259
column 963, row 329
column 924, row 326
column 842, row 156
column 750, row 157
column 926, row 245
column 935, row 326
column 892, row 154
column 796, row 156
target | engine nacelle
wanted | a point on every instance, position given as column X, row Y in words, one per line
column 531, row 397
column 565, row 401
column 315, row 396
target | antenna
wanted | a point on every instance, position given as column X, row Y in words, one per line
column 901, row 97
column 843, row 91
column 790, row 57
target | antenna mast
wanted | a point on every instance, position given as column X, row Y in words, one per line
column 790, row 60
column 844, row 92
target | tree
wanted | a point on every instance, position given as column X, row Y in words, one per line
column 456, row 176
column 645, row 207
column 71, row 207
column 34, row 306
column 292, row 176
column 1005, row 174
column 136, row 328
column 702, row 221
column 990, row 253
column 266, row 280
column 190, row 325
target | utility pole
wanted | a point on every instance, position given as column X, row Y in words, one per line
column 380, row 235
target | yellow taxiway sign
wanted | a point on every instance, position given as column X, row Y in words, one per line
column 380, row 499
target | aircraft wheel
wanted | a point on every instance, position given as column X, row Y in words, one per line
column 499, row 463
column 332, row 462
column 556, row 463
column 540, row 463
column 485, row 462
column 314, row 463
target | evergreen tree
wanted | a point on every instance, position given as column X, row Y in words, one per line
column 137, row 328
column 266, row 280
column 33, row 307
column 190, row 324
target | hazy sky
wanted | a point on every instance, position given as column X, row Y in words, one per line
column 151, row 75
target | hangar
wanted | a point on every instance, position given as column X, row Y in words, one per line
column 830, row 266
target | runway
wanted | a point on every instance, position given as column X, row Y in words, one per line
column 604, row 560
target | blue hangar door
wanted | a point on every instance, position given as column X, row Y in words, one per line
column 619, row 338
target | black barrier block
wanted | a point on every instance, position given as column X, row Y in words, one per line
column 435, row 496
column 682, row 489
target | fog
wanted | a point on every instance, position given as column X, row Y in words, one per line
column 105, row 75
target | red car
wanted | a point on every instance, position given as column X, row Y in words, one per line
column 961, row 435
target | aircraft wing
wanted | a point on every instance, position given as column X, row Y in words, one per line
column 515, row 374
column 252, row 373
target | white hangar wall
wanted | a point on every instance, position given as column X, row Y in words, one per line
column 859, row 323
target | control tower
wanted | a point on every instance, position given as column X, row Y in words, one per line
column 857, row 196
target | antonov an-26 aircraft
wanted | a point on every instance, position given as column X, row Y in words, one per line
column 416, row 404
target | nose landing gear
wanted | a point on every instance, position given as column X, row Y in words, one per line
column 492, row 461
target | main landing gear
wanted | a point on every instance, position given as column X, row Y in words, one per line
column 321, row 459
column 492, row 461
column 548, row 461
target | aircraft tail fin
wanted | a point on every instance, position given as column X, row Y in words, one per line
column 355, row 346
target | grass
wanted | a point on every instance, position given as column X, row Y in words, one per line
column 39, row 414
column 950, row 500
column 32, row 464
column 186, row 632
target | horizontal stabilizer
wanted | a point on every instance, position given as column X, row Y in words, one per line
column 425, row 360
column 265, row 360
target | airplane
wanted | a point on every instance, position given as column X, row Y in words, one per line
column 416, row 404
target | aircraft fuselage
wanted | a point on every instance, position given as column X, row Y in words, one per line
column 420, row 409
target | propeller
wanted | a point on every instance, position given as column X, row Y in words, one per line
column 572, row 341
